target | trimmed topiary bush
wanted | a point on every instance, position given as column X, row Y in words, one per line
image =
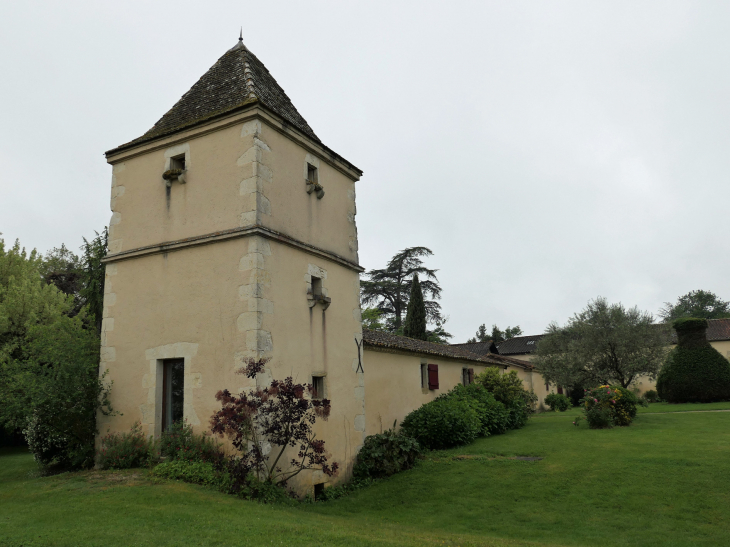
column 443, row 423
column 557, row 401
column 385, row 454
column 694, row 372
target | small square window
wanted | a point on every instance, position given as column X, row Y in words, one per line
column 312, row 175
column 318, row 387
column 178, row 162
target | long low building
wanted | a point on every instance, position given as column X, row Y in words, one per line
column 403, row 374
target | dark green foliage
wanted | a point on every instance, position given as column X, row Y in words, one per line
column 62, row 268
column 180, row 443
column 55, row 392
column 493, row 415
column 558, row 401
column 385, row 454
column 576, row 393
column 389, row 289
column 125, row 450
column 92, row 275
column 443, row 423
column 651, row 396
column 694, row 372
column 694, row 375
column 703, row 304
column 415, row 325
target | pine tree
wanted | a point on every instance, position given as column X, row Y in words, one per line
column 415, row 323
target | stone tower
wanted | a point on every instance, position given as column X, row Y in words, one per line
column 232, row 235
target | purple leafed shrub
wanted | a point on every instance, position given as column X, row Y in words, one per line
column 281, row 416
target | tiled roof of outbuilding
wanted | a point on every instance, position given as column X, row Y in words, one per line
column 385, row 340
column 480, row 348
column 237, row 79
column 519, row 345
column 717, row 330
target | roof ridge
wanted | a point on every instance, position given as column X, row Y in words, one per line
column 238, row 77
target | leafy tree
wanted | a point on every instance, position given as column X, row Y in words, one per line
column 371, row 319
column 49, row 381
column 438, row 334
column 415, row 326
column 62, row 268
column 54, row 392
column 280, row 414
column 700, row 304
column 496, row 335
column 389, row 289
column 25, row 300
column 603, row 344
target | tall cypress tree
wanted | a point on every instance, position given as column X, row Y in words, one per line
column 415, row 323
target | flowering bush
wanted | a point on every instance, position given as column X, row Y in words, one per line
column 180, row 443
column 607, row 406
column 125, row 450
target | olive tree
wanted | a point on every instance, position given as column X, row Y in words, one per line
column 603, row 344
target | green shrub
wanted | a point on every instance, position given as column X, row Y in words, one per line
column 341, row 490
column 651, row 396
column 557, row 401
column 125, row 450
column 196, row 472
column 607, row 406
column 180, row 443
column 443, row 423
column 385, row 454
column 493, row 415
column 694, row 375
column 518, row 413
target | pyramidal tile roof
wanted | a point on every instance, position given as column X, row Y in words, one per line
column 237, row 79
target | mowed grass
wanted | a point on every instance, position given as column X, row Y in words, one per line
column 665, row 480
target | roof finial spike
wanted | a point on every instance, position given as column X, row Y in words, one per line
column 240, row 36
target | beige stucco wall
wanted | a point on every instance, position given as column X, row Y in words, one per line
column 240, row 173
column 394, row 384
column 245, row 296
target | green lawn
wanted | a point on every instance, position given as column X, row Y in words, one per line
column 665, row 480
column 684, row 407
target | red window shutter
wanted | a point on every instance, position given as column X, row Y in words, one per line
column 433, row 376
column 471, row 375
column 560, row 390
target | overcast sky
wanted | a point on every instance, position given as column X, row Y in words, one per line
column 547, row 152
